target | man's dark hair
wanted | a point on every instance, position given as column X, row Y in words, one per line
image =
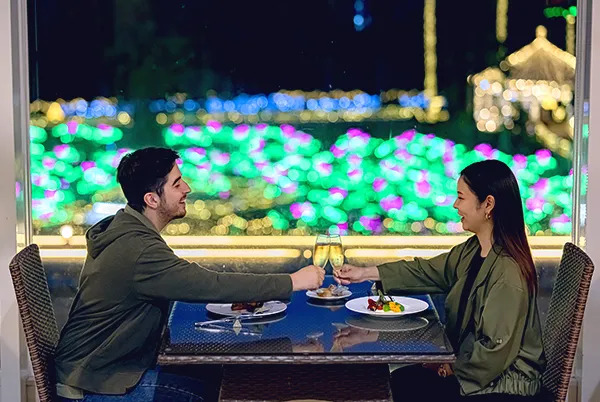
column 144, row 171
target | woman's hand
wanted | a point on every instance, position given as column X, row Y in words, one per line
column 352, row 274
column 350, row 336
column 310, row 346
column 443, row 370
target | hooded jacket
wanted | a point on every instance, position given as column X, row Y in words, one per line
column 128, row 280
column 502, row 351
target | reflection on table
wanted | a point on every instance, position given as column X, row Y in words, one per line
column 309, row 330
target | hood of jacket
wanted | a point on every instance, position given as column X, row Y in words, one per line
column 112, row 228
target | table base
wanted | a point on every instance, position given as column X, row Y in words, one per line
column 331, row 382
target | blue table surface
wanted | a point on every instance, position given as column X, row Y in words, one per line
column 309, row 326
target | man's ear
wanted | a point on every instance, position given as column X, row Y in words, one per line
column 152, row 200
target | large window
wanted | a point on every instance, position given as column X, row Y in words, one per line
column 299, row 117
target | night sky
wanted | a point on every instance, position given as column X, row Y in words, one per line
column 148, row 48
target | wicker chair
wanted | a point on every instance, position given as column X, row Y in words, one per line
column 565, row 316
column 37, row 315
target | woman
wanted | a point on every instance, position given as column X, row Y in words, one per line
column 491, row 309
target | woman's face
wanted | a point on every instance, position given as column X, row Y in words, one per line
column 472, row 212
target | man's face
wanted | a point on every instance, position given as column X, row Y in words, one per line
column 172, row 200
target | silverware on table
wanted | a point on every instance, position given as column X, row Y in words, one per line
column 213, row 328
column 246, row 316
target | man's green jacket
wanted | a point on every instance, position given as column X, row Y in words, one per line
column 129, row 278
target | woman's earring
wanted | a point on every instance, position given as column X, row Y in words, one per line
column 487, row 216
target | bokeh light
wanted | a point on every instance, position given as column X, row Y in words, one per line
column 277, row 179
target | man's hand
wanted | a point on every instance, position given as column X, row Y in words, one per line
column 352, row 274
column 308, row 278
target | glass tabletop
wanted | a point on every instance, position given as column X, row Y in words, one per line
column 309, row 330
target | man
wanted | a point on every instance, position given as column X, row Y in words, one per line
column 108, row 346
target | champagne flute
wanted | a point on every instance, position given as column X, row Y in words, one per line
column 321, row 251
column 336, row 252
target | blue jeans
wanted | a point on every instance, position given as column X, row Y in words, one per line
column 155, row 385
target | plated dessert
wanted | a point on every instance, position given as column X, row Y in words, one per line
column 248, row 306
column 332, row 291
column 385, row 304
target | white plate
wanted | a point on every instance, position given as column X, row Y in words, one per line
column 315, row 295
column 411, row 306
column 330, row 306
column 274, row 307
column 382, row 324
column 262, row 321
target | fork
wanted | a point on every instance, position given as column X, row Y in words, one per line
column 257, row 313
column 216, row 329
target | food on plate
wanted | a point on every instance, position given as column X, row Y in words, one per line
column 331, row 291
column 248, row 306
column 384, row 304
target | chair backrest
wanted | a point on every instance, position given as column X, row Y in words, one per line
column 37, row 315
column 565, row 316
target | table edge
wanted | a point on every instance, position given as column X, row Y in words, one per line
column 165, row 359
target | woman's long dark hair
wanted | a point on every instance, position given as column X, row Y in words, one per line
column 492, row 177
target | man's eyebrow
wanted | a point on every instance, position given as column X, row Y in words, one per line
column 176, row 180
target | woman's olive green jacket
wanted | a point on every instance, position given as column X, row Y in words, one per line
column 502, row 352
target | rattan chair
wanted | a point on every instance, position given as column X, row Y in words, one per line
column 37, row 315
column 565, row 316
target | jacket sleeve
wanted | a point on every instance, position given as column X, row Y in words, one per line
column 498, row 340
column 433, row 275
column 160, row 274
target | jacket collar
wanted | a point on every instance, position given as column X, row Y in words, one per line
column 484, row 272
column 129, row 210
column 486, row 267
column 488, row 262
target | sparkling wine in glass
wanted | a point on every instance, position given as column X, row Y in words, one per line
column 336, row 252
column 321, row 251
